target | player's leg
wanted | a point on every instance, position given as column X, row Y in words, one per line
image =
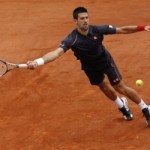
column 127, row 91
column 97, row 78
column 134, row 96
column 116, row 81
column 122, row 103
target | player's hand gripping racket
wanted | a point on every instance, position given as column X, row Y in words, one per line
column 6, row 67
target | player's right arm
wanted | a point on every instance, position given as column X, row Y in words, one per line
column 49, row 57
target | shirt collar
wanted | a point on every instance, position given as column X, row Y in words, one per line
column 89, row 33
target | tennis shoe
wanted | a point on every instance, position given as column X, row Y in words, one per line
column 146, row 113
column 127, row 114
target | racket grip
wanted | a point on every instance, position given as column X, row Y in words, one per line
column 22, row 66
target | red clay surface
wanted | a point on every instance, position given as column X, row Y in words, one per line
column 54, row 107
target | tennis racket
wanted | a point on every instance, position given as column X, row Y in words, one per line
column 6, row 67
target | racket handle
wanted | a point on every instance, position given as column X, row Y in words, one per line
column 22, row 66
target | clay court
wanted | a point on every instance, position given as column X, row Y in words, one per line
column 54, row 107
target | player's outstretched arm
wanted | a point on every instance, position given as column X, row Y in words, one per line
column 49, row 57
column 131, row 29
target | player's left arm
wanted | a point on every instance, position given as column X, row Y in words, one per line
column 131, row 29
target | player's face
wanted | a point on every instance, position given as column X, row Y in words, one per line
column 82, row 21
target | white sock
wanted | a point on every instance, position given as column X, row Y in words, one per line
column 142, row 104
column 119, row 102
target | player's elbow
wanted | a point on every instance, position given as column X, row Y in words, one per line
column 59, row 52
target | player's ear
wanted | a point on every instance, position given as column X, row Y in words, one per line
column 75, row 20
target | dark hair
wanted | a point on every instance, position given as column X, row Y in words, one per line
column 78, row 10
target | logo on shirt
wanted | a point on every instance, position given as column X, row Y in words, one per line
column 95, row 37
column 110, row 26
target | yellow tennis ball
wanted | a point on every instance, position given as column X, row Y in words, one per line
column 139, row 83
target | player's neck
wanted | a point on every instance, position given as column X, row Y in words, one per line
column 83, row 32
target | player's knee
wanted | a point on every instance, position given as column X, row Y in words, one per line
column 107, row 88
column 121, row 89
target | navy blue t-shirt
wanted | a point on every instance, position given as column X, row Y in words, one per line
column 89, row 49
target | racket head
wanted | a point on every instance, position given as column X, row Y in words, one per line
column 3, row 68
column 6, row 66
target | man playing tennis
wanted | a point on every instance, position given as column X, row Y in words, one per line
column 86, row 43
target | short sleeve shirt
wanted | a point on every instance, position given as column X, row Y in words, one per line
column 89, row 49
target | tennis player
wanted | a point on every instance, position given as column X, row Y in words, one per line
column 96, row 61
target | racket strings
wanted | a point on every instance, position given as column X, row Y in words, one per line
column 3, row 68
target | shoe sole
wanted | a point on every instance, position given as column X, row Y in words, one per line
column 128, row 119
